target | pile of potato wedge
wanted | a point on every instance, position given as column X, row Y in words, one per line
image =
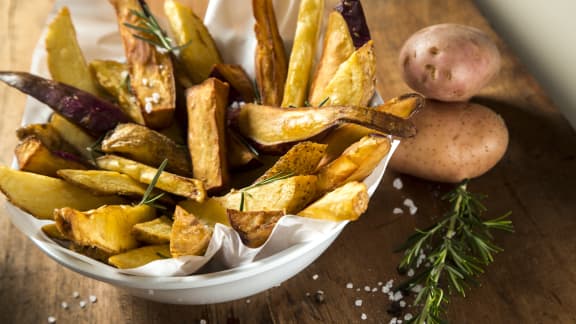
column 142, row 158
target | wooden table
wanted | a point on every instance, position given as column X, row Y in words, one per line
column 532, row 281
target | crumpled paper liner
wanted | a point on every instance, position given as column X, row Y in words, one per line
column 232, row 26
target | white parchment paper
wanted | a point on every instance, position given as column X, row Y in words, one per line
column 232, row 26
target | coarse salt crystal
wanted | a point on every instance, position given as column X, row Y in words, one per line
column 402, row 304
column 203, row 321
column 397, row 183
column 407, row 317
column 349, row 285
column 410, row 273
column 358, row 302
column 410, row 204
column 397, row 211
column 248, row 301
column 64, row 305
column 145, row 82
column 364, row 316
column 82, row 303
column 148, row 107
column 367, row 288
column 417, row 288
column 385, row 289
column 156, row 97
column 307, row 294
column 75, row 294
column 92, row 299
column 394, row 320
column 374, row 289
column 314, row 277
column 51, row 319
column 380, row 283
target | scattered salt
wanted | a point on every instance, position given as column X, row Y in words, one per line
column 416, row 288
column 92, row 299
column 410, row 204
column 75, row 294
column 203, row 321
column 407, row 317
column 397, row 211
column 307, row 294
column 51, row 319
column 380, row 283
column 397, row 296
column 410, row 273
column 349, row 285
column 367, row 288
column 155, row 97
column 64, row 305
column 385, row 289
column 358, row 302
column 394, row 320
column 363, row 316
column 82, row 303
column 374, row 289
column 397, row 183
column 248, row 301
column 145, row 82
column 148, row 107
column 402, row 304
column 314, row 277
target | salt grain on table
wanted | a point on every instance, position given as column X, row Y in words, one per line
column 51, row 319
column 358, row 302
column 349, row 285
column 397, row 211
column 397, row 183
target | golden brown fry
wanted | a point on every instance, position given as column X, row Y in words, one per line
column 113, row 76
column 74, row 135
column 52, row 231
column 34, row 156
column 355, row 163
column 156, row 231
column 64, row 56
column 169, row 182
column 303, row 52
column 254, row 227
column 206, row 105
column 107, row 228
column 140, row 256
column 271, row 63
column 301, row 159
column 39, row 195
column 239, row 154
column 189, row 236
column 151, row 72
column 347, row 202
column 336, row 49
column 342, row 137
column 354, row 81
column 144, row 145
column 199, row 53
column 241, row 88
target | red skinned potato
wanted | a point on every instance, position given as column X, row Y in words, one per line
column 449, row 62
column 455, row 141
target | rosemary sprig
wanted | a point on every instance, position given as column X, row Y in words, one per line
column 150, row 201
column 276, row 177
column 148, row 25
column 458, row 246
column 95, row 149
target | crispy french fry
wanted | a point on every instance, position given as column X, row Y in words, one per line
column 254, row 227
column 39, row 195
column 241, row 88
column 156, row 231
column 199, row 53
column 301, row 159
column 169, row 182
column 151, row 72
column 34, row 156
column 355, row 163
column 239, row 154
column 303, row 52
column 271, row 63
column 47, row 134
column 354, row 81
column 64, row 56
column 346, row 202
column 206, row 105
column 107, row 228
column 336, row 49
column 113, row 77
column 52, row 231
column 140, row 256
column 189, row 235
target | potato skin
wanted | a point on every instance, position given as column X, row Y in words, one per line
column 449, row 62
column 455, row 141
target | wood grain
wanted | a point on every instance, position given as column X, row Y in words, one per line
column 532, row 281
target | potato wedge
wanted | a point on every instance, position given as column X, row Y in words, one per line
column 107, row 228
column 47, row 134
column 254, row 227
column 301, row 159
column 271, row 62
column 189, row 236
column 354, row 82
column 52, row 231
column 39, row 195
column 206, row 104
column 169, row 182
column 65, row 60
column 346, row 202
column 303, row 52
column 199, row 53
column 241, row 88
column 156, row 231
column 355, row 163
column 151, row 72
column 34, row 156
column 113, row 77
column 74, row 135
column 101, row 182
column 144, row 145
column 336, row 49
column 140, row 256
column 239, row 154
column 342, row 137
